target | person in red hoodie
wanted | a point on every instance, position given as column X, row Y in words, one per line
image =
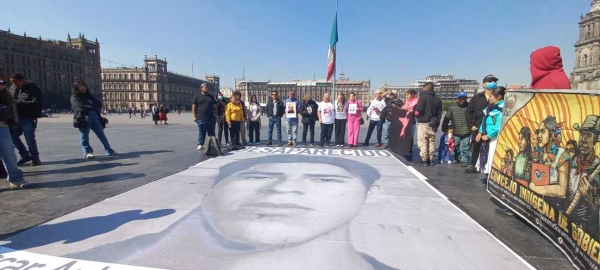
column 547, row 69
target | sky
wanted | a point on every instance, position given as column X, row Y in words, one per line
column 386, row 41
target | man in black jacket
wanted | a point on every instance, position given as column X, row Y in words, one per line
column 308, row 110
column 29, row 108
column 275, row 110
column 429, row 108
column 475, row 115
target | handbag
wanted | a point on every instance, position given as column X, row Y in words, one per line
column 103, row 122
column 362, row 121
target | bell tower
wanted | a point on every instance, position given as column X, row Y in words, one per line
column 586, row 73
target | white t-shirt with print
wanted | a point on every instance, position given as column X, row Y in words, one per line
column 327, row 111
column 340, row 110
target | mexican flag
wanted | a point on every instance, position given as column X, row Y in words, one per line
column 332, row 42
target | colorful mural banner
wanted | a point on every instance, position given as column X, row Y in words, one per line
column 546, row 168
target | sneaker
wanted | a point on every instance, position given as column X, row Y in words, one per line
column 114, row 154
column 89, row 156
column 36, row 162
column 294, row 143
column 289, row 143
column 471, row 169
column 365, row 144
column 22, row 184
column 377, row 145
column 312, row 144
column 200, row 147
column 450, row 162
column 280, row 144
column 22, row 161
column 269, row 144
column 464, row 164
column 424, row 164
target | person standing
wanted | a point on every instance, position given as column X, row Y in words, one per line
column 490, row 129
column 246, row 118
column 162, row 114
column 326, row 113
column 254, row 111
column 28, row 98
column 457, row 115
column 234, row 115
column 354, row 110
column 308, row 110
column 410, row 101
column 292, row 118
column 374, row 117
column 429, row 108
column 9, row 117
column 475, row 114
column 155, row 113
column 341, row 118
column 204, row 110
column 86, row 117
column 391, row 102
column 546, row 68
column 221, row 123
column 275, row 110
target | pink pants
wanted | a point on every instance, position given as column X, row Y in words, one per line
column 353, row 126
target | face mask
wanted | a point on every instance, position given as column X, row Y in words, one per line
column 221, row 98
column 491, row 85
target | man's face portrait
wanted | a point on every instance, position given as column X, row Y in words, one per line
column 273, row 204
column 586, row 141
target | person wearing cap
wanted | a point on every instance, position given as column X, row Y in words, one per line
column 475, row 114
column 457, row 115
column 204, row 110
column 391, row 102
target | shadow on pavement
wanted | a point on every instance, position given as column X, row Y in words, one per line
column 81, row 229
column 88, row 180
column 134, row 154
column 80, row 169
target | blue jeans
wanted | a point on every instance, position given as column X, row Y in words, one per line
column 386, row 132
column 274, row 122
column 96, row 127
column 8, row 156
column 372, row 126
column 292, row 130
column 27, row 127
column 462, row 148
column 206, row 127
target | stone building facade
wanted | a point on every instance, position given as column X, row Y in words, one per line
column 316, row 88
column 52, row 64
column 446, row 86
column 140, row 87
column 586, row 73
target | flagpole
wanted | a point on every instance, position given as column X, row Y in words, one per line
column 335, row 59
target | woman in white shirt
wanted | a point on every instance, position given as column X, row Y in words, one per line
column 340, row 120
column 254, row 111
column 326, row 115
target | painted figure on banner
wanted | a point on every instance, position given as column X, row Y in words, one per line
column 550, row 167
column 268, row 212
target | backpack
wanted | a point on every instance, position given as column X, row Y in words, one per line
column 211, row 147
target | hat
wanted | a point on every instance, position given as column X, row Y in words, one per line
column 204, row 84
column 591, row 123
column 490, row 78
column 461, row 95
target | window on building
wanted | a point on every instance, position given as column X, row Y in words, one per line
column 141, row 86
column 141, row 96
column 151, row 97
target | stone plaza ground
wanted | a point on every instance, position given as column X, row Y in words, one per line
column 66, row 182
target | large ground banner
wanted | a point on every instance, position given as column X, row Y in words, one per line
column 268, row 208
column 546, row 167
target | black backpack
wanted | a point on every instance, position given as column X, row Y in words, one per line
column 211, row 147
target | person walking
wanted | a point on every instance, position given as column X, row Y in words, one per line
column 254, row 112
column 292, row 118
column 87, row 117
column 275, row 110
column 374, row 117
column 326, row 113
column 353, row 110
column 341, row 117
column 308, row 109
column 221, row 123
column 204, row 111
column 9, row 118
column 28, row 98
column 429, row 108
column 457, row 116
column 234, row 115
column 475, row 114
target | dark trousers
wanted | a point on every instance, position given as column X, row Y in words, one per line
column 340, row 131
column 475, row 148
column 236, row 126
column 372, row 126
column 27, row 127
column 274, row 122
column 305, row 128
column 205, row 127
column 223, row 127
column 326, row 130
column 254, row 131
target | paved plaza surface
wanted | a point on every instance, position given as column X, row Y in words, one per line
column 66, row 183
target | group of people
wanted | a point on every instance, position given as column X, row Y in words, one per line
column 236, row 119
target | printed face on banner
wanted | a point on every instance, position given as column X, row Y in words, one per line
column 290, row 110
column 340, row 108
column 548, row 156
column 352, row 108
column 293, row 204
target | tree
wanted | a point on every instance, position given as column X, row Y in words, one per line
column 447, row 103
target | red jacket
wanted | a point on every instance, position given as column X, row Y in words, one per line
column 547, row 69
